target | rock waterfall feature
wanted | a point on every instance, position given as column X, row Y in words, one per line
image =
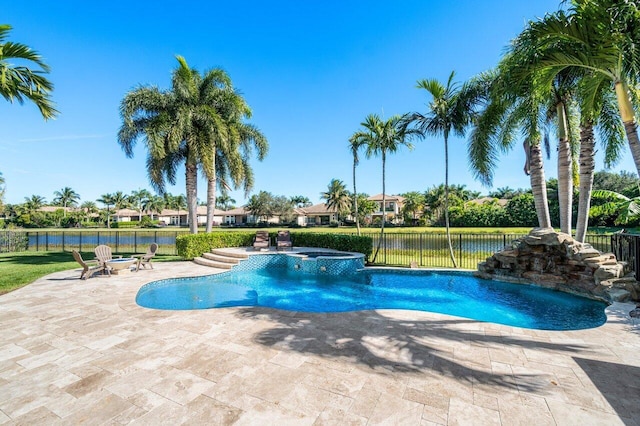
column 555, row 260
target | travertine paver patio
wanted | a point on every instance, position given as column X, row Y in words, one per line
column 82, row 352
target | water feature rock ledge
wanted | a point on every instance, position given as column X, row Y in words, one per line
column 555, row 260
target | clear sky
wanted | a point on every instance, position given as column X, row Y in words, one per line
column 310, row 70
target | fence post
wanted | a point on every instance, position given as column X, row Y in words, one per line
column 80, row 242
column 384, row 242
column 636, row 258
column 135, row 241
column 46, row 241
column 62, row 240
column 421, row 263
column 460, row 250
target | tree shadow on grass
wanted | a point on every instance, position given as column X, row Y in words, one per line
column 403, row 345
column 40, row 258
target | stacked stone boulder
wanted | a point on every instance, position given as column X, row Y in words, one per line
column 555, row 260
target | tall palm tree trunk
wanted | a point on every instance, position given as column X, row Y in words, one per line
column 384, row 201
column 355, row 198
column 211, row 203
column 629, row 120
column 539, row 185
column 565, row 175
column 191, row 176
column 587, row 166
column 446, row 199
column 108, row 218
column 211, row 195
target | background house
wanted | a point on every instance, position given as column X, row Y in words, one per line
column 318, row 214
column 392, row 208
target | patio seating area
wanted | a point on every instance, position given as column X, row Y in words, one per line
column 75, row 351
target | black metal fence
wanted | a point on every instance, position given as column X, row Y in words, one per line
column 396, row 249
column 626, row 247
column 121, row 241
column 432, row 250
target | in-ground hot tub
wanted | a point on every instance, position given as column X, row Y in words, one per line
column 325, row 262
column 310, row 261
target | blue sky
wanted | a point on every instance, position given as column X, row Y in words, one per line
column 310, row 70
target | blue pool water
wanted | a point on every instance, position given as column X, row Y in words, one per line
column 452, row 293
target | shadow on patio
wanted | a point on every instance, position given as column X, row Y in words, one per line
column 618, row 383
column 385, row 344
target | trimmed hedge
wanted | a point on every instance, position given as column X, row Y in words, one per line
column 124, row 225
column 353, row 243
column 192, row 245
column 136, row 224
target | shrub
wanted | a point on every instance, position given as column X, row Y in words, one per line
column 146, row 222
column 13, row 241
column 521, row 211
column 353, row 243
column 471, row 214
column 192, row 245
column 123, row 225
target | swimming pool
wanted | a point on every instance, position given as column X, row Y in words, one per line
column 452, row 293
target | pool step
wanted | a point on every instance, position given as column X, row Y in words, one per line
column 225, row 253
column 221, row 258
column 212, row 263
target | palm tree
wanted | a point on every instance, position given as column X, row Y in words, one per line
column 337, row 197
column 137, row 199
column 512, row 106
column 33, row 203
column 66, row 197
column 225, row 202
column 300, row 201
column 120, row 201
column 156, row 204
column 88, row 207
column 21, row 82
column 553, row 45
column 177, row 127
column 413, row 204
column 381, row 137
column 355, row 144
column 233, row 144
column 449, row 111
column 600, row 38
column 108, row 200
column 561, row 108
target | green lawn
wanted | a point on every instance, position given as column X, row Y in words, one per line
column 20, row 269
